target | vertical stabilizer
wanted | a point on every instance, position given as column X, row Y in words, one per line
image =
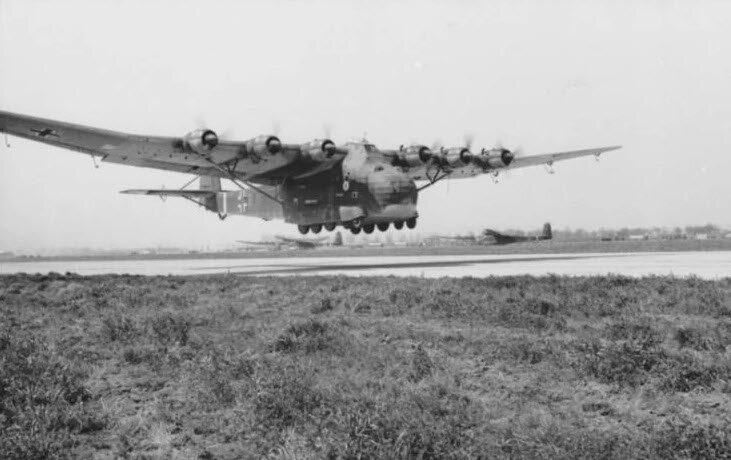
column 547, row 234
column 210, row 183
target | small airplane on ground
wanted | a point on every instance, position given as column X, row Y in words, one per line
column 314, row 185
column 490, row 236
column 298, row 243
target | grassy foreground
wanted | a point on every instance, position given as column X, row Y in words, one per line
column 313, row 367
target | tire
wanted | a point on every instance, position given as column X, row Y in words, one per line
column 303, row 229
column 354, row 230
column 382, row 226
column 411, row 223
column 330, row 226
column 368, row 228
column 398, row 225
column 316, row 228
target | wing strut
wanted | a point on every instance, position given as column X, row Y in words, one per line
column 230, row 176
column 434, row 180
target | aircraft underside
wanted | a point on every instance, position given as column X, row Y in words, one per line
column 325, row 201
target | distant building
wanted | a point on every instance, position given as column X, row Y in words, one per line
column 637, row 237
column 701, row 236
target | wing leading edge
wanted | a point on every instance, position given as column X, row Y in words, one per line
column 550, row 158
column 166, row 153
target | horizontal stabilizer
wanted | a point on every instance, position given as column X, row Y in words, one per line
column 164, row 192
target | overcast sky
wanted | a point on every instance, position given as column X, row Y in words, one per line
column 652, row 76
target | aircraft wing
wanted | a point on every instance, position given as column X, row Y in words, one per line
column 166, row 153
column 550, row 158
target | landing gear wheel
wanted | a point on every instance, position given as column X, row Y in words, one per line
column 303, row 229
column 357, row 222
column 354, row 230
column 382, row 226
column 411, row 223
column 330, row 226
column 368, row 228
column 398, row 225
column 316, row 228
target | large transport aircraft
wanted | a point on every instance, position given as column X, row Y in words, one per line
column 314, row 185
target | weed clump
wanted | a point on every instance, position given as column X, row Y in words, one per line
column 683, row 437
column 170, row 328
column 421, row 365
column 139, row 354
column 530, row 314
column 42, row 400
column 685, row 373
column 285, row 395
column 626, row 364
column 307, row 336
column 640, row 332
column 119, row 327
column 697, row 339
column 325, row 304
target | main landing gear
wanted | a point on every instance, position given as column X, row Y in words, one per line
column 357, row 225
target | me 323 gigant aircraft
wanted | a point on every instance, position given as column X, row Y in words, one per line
column 314, row 184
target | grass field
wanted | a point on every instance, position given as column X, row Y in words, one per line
column 231, row 367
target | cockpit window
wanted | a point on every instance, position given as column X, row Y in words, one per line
column 378, row 168
column 370, row 148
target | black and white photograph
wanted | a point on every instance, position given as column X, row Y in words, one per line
column 402, row 229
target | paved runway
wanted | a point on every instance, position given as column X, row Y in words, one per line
column 709, row 265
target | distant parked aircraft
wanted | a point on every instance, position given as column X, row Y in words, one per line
column 299, row 243
column 490, row 236
column 501, row 238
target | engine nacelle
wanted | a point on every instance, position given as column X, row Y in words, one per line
column 318, row 150
column 496, row 158
column 263, row 145
column 457, row 156
column 201, row 141
column 414, row 155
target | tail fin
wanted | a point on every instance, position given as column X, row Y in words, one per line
column 210, row 183
column 547, row 233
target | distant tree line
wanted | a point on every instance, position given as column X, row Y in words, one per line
column 624, row 233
